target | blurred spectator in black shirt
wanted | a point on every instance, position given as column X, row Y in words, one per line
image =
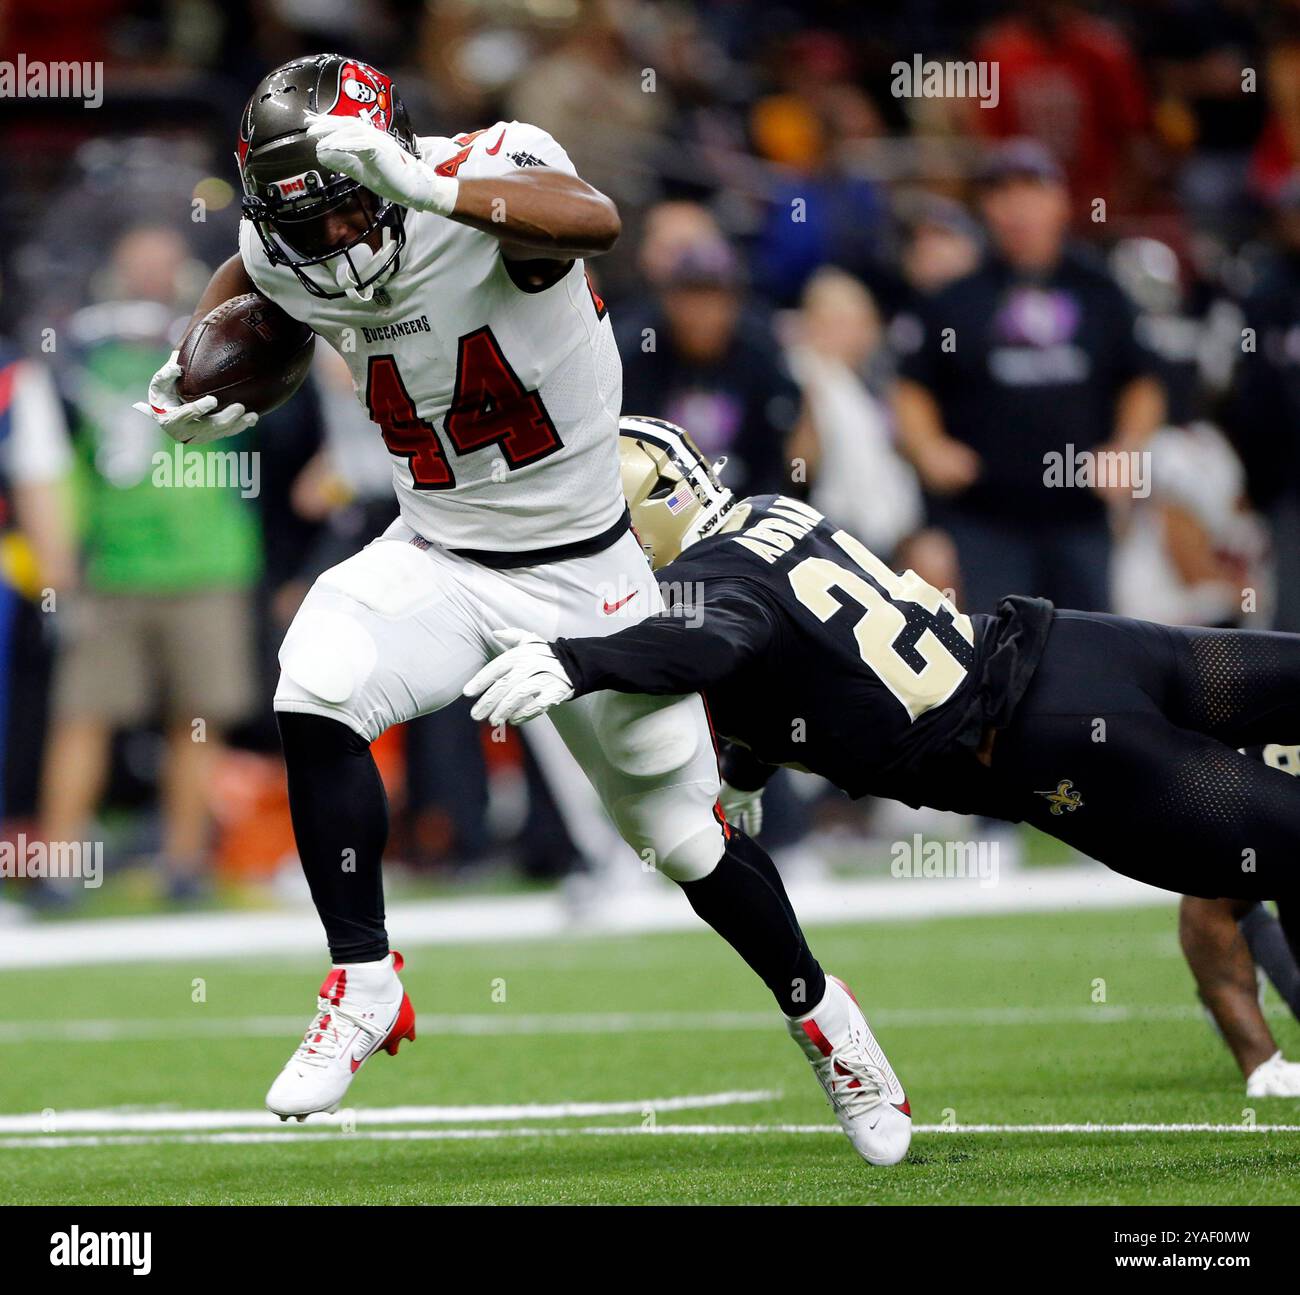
column 702, row 360
column 1035, row 355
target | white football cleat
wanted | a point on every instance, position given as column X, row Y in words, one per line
column 362, row 1007
column 860, row 1084
column 1276, row 1077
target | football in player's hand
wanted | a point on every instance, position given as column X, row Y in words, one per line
column 245, row 351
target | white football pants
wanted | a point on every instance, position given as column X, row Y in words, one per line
column 396, row 630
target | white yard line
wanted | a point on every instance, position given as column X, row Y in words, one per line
column 173, row 937
column 138, row 1121
column 1107, row 1128
column 57, row 1142
column 198, row 1026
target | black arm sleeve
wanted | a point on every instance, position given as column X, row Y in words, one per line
column 683, row 649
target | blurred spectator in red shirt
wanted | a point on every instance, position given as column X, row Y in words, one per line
column 1072, row 81
column 1277, row 151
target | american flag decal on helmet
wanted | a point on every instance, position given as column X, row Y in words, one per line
column 681, row 498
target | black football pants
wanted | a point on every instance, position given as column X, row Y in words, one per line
column 1143, row 722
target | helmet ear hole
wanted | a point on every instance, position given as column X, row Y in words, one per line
column 662, row 488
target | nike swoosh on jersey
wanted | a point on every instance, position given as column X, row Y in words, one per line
column 610, row 608
column 496, row 148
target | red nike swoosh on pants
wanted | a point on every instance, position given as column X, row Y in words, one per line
column 611, row 608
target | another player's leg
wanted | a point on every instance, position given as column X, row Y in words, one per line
column 653, row 764
column 379, row 639
column 1211, row 934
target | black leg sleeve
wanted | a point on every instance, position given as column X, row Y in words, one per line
column 1273, row 944
column 340, row 821
column 744, row 900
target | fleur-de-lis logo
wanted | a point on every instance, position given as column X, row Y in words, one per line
column 1063, row 798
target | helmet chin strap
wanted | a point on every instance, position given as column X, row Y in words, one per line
column 350, row 274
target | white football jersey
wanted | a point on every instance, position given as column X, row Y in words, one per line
column 499, row 406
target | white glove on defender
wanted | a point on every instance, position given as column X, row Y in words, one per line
column 373, row 158
column 743, row 808
column 525, row 681
column 195, row 423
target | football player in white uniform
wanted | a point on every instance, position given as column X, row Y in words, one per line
column 448, row 273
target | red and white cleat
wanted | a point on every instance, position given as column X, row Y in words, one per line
column 859, row 1082
column 362, row 1007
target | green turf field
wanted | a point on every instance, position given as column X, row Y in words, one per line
column 987, row 1020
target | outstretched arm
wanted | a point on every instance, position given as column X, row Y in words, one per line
column 686, row 649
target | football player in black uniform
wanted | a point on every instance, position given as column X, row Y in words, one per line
column 1117, row 736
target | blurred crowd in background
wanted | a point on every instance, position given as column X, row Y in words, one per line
column 1119, row 229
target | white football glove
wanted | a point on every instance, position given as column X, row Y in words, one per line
column 743, row 808
column 523, row 682
column 373, row 158
column 195, row 423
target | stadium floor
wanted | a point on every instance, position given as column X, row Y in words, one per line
column 652, row 1069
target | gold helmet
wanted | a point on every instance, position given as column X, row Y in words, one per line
column 672, row 490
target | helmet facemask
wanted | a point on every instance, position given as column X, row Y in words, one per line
column 294, row 203
column 294, row 233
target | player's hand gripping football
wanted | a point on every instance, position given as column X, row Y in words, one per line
column 197, row 422
column 523, row 682
column 375, row 160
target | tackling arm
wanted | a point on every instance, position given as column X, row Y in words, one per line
column 685, row 649
column 688, row 648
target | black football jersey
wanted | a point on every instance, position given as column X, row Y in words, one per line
column 812, row 653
